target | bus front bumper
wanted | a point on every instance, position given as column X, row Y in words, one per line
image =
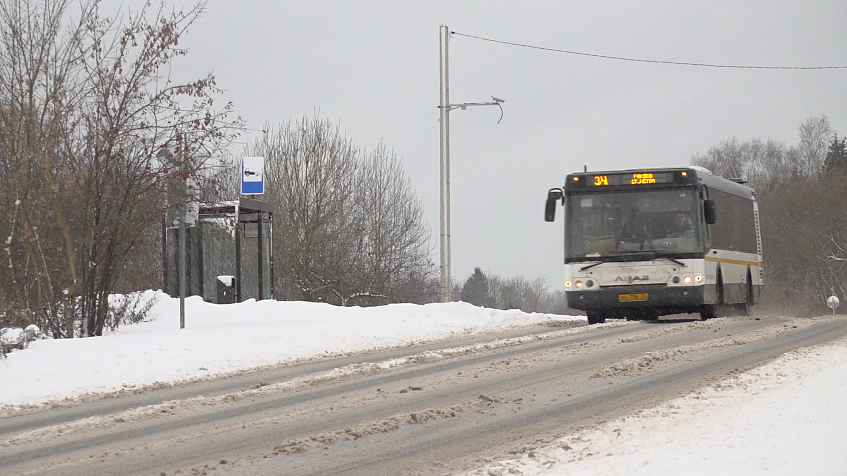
column 662, row 300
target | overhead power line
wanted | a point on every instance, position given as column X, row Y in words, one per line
column 639, row 60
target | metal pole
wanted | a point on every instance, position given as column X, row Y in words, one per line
column 182, row 266
column 446, row 280
column 271, row 251
column 261, row 268
column 238, row 228
column 165, row 257
column 182, row 239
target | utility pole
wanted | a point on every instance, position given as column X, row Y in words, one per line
column 445, row 107
column 446, row 280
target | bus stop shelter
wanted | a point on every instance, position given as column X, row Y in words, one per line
column 229, row 252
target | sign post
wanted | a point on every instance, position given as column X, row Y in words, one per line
column 252, row 175
column 832, row 302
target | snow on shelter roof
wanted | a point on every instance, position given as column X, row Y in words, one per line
column 240, row 207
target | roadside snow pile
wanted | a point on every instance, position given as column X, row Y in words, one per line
column 787, row 417
column 225, row 339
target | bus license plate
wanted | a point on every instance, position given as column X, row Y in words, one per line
column 632, row 297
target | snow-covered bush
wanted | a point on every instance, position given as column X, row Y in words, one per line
column 16, row 338
column 129, row 308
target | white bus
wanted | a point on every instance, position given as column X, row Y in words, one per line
column 644, row 243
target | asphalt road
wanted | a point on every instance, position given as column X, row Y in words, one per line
column 433, row 409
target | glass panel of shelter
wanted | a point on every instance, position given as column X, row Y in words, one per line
column 255, row 243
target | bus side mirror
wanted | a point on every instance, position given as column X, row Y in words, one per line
column 553, row 196
column 709, row 211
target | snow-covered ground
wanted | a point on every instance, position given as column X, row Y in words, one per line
column 787, row 417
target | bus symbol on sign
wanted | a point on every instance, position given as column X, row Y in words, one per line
column 252, row 175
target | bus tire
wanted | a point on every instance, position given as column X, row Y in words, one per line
column 710, row 311
column 595, row 317
column 744, row 308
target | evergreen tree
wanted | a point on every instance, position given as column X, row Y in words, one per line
column 836, row 157
column 476, row 290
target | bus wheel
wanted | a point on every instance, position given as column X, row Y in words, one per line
column 743, row 309
column 595, row 317
column 710, row 311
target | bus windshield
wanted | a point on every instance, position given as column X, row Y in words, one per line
column 617, row 223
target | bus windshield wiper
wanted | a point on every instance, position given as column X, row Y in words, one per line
column 617, row 253
column 660, row 255
column 656, row 254
column 593, row 265
column 675, row 261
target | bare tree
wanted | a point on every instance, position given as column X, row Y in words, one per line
column 348, row 228
column 815, row 135
column 557, row 303
column 727, row 159
column 308, row 165
column 834, row 263
column 38, row 88
column 517, row 292
column 766, row 163
column 84, row 113
column 760, row 162
column 393, row 251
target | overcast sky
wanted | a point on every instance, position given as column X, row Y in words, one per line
column 372, row 68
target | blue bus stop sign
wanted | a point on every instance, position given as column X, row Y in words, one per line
column 252, row 175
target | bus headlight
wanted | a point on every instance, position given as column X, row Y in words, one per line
column 682, row 280
column 568, row 284
column 579, row 284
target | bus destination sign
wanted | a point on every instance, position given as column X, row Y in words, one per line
column 636, row 178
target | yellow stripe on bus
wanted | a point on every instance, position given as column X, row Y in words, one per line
column 733, row 261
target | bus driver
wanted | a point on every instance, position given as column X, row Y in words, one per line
column 680, row 227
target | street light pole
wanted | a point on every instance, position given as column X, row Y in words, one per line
column 446, row 287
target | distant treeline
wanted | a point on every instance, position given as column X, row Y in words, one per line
column 802, row 194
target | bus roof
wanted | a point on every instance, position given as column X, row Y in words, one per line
column 655, row 177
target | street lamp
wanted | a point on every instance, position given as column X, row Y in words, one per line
column 446, row 287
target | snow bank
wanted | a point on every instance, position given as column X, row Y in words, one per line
column 222, row 339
